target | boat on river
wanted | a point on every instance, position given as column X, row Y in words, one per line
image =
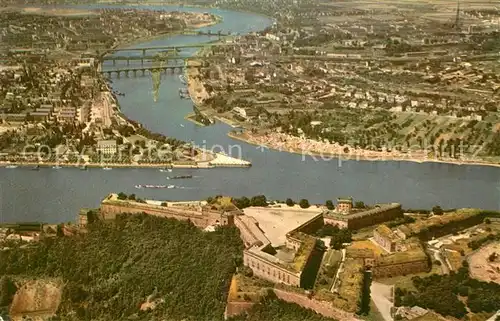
column 56, row 167
column 83, row 168
column 35, row 168
column 163, row 170
column 180, row 177
column 182, row 79
column 11, row 166
column 107, row 168
column 154, row 186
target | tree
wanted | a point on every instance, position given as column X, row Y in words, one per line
column 290, row 202
column 91, row 217
column 437, row 210
column 7, row 291
column 59, row 232
column 259, row 200
column 131, row 197
column 122, row 196
column 329, row 205
column 487, row 221
column 493, row 256
column 304, row 203
column 359, row 204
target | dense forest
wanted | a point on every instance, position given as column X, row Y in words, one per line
column 114, row 268
column 446, row 294
column 270, row 308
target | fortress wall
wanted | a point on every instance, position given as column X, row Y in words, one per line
column 382, row 271
column 202, row 220
column 270, row 271
column 234, row 308
column 377, row 217
column 332, row 221
column 322, row 307
column 249, row 238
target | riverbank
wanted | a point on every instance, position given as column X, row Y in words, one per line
column 219, row 161
column 295, row 145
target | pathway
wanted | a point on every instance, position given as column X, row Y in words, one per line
column 381, row 295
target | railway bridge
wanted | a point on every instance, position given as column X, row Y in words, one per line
column 177, row 48
column 127, row 72
column 175, row 59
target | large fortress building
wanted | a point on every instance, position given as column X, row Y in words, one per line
column 285, row 264
column 345, row 216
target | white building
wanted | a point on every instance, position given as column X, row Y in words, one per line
column 107, row 147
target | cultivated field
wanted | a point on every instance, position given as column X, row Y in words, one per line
column 482, row 268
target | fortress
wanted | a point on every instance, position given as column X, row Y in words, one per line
column 201, row 216
column 285, row 264
column 345, row 216
column 270, row 255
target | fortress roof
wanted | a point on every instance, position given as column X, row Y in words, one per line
column 379, row 208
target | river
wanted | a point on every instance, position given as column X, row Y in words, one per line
column 51, row 195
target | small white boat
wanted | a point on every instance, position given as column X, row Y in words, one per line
column 169, row 170
column 182, row 125
column 11, row 166
column 171, row 186
column 107, row 168
column 56, row 167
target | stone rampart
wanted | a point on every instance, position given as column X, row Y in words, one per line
column 234, row 308
column 109, row 210
column 403, row 268
column 324, row 308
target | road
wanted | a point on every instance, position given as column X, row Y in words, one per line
column 381, row 295
column 444, row 265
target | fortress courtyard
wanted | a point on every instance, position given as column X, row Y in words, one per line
column 275, row 222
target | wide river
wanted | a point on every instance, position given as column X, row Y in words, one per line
column 51, row 195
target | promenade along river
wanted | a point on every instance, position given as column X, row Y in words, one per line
column 52, row 195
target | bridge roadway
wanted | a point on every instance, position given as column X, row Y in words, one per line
column 176, row 48
column 143, row 70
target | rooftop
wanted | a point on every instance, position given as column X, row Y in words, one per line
column 361, row 213
column 386, row 232
column 437, row 220
column 414, row 253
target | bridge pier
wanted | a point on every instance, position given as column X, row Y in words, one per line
column 128, row 62
column 143, row 72
column 142, row 62
column 143, row 52
column 118, row 74
column 135, row 73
